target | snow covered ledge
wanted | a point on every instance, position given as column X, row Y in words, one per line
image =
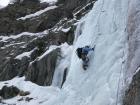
column 49, row 1
column 37, row 13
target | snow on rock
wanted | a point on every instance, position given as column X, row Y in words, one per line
column 49, row 1
column 66, row 29
column 13, row 44
column 84, row 7
column 37, row 13
column 51, row 48
column 25, row 54
column 5, row 38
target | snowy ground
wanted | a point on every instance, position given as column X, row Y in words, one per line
column 38, row 93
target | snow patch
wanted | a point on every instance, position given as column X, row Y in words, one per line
column 66, row 29
column 37, row 13
column 25, row 54
column 12, row 44
column 49, row 1
column 5, row 38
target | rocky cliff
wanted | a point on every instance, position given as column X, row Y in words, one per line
column 28, row 29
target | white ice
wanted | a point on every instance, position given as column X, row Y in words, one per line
column 104, row 27
column 25, row 54
column 62, row 63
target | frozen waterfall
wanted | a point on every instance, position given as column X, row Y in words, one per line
column 104, row 26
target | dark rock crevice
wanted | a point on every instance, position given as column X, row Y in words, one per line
column 64, row 76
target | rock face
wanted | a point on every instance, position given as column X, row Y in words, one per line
column 41, row 71
column 9, row 15
column 9, row 92
column 133, row 38
column 15, row 41
column 13, row 67
column 73, row 4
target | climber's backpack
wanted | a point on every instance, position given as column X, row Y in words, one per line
column 79, row 52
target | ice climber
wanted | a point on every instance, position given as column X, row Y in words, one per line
column 82, row 54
